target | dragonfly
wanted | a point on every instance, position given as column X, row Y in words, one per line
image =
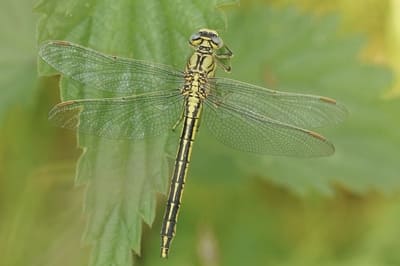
column 150, row 99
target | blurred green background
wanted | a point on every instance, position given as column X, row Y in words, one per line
column 238, row 209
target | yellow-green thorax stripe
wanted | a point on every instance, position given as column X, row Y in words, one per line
column 200, row 67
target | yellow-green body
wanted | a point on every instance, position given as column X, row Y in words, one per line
column 199, row 68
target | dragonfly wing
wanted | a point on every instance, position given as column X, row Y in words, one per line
column 134, row 117
column 250, row 132
column 121, row 76
column 300, row 110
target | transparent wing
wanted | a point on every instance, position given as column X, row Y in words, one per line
column 134, row 117
column 121, row 76
column 247, row 131
column 300, row 110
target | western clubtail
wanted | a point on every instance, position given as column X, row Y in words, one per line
column 153, row 98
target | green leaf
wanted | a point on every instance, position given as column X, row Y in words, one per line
column 123, row 177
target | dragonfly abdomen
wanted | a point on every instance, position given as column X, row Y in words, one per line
column 193, row 107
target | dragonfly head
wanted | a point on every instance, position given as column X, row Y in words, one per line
column 206, row 40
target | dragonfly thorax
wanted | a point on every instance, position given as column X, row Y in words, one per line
column 201, row 64
column 195, row 85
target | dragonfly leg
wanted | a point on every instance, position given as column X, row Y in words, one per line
column 223, row 59
column 227, row 54
column 225, row 66
column 177, row 122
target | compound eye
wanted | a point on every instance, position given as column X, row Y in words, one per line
column 195, row 37
column 217, row 41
